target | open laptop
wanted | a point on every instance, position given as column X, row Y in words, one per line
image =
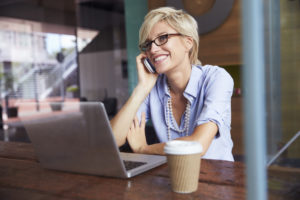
column 77, row 137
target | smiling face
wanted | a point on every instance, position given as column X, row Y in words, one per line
column 173, row 55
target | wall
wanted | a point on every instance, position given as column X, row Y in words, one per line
column 222, row 46
column 101, row 75
column 95, row 76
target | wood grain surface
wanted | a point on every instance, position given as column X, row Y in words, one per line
column 22, row 177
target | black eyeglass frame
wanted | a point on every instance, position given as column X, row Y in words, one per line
column 147, row 45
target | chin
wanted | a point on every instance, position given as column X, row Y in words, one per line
column 162, row 69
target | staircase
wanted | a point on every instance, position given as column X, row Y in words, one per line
column 43, row 82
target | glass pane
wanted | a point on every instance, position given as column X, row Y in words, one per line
column 60, row 51
column 290, row 61
column 283, row 88
column 102, row 52
column 282, row 31
column 38, row 58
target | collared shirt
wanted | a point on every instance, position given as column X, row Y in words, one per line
column 209, row 92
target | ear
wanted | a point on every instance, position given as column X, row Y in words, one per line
column 189, row 43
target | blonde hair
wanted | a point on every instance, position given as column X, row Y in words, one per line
column 179, row 20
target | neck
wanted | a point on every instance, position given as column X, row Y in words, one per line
column 178, row 80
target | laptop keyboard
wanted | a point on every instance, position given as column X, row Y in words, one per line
column 132, row 164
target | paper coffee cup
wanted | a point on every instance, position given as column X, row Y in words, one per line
column 184, row 164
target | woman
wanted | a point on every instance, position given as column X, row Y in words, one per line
column 184, row 100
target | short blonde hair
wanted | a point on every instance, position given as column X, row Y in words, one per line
column 179, row 20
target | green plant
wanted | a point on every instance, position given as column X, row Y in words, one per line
column 72, row 88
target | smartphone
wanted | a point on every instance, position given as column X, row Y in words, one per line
column 149, row 65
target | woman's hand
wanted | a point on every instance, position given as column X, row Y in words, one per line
column 146, row 79
column 136, row 135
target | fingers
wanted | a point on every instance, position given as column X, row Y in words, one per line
column 139, row 59
column 136, row 122
column 130, row 131
column 136, row 134
column 132, row 127
column 143, row 120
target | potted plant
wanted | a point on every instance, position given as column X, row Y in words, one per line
column 56, row 106
column 72, row 91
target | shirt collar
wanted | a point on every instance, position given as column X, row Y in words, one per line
column 162, row 88
column 165, row 85
column 191, row 90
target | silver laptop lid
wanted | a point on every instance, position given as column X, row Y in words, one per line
column 77, row 137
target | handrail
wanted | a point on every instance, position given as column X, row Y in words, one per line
column 283, row 148
column 52, row 79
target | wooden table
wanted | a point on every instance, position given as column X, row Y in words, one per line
column 22, row 177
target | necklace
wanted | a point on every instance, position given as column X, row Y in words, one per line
column 171, row 116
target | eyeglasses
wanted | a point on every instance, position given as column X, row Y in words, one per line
column 160, row 40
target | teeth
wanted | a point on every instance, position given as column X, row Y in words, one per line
column 160, row 58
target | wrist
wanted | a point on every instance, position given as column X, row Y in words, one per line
column 141, row 90
column 142, row 149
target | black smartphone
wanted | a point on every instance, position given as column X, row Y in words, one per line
column 149, row 65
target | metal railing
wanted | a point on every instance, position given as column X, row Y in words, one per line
column 35, row 82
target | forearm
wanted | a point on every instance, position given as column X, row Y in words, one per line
column 204, row 134
column 121, row 122
column 159, row 147
column 153, row 149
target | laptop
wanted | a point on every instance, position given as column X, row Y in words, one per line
column 77, row 137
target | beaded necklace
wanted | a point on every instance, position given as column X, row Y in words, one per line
column 170, row 115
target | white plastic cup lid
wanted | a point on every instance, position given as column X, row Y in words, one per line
column 180, row 147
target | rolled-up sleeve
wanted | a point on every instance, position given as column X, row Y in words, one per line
column 217, row 101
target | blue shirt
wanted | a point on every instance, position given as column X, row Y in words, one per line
column 209, row 91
